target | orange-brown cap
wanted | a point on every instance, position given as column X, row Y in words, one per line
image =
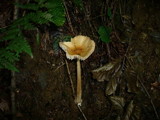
column 80, row 47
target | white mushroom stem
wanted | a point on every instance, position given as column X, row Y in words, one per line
column 78, row 98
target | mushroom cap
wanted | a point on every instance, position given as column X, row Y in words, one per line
column 80, row 47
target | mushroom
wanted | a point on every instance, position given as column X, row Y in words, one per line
column 80, row 48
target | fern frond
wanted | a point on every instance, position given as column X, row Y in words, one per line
column 19, row 45
column 10, row 66
column 50, row 4
column 40, row 1
column 58, row 16
column 41, row 12
column 7, row 60
column 56, row 10
column 16, row 45
column 10, row 34
column 8, row 55
column 30, row 6
column 7, row 65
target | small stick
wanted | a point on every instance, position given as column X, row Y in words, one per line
column 68, row 17
column 70, row 78
column 108, row 51
column 59, row 67
column 156, row 113
column 13, row 80
column 25, row 10
column 87, row 14
column 73, row 90
column 13, row 99
column 81, row 112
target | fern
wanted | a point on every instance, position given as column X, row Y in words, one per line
column 7, row 60
column 41, row 12
column 30, row 6
column 16, row 44
column 54, row 12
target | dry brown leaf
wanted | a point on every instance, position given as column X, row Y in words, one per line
column 103, row 73
column 155, row 85
column 111, row 87
column 109, row 72
column 136, row 113
column 129, row 111
column 4, row 105
column 118, row 102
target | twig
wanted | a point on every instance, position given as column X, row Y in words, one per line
column 25, row 10
column 156, row 113
column 87, row 15
column 15, row 14
column 108, row 51
column 73, row 90
column 59, row 67
column 13, row 87
column 68, row 17
column 82, row 112
column 70, row 78
column 13, row 80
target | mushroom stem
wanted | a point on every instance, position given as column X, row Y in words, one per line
column 78, row 98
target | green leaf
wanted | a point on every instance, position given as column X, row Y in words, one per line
column 67, row 38
column 7, row 60
column 79, row 3
column 30, row 6
column 51, row 4
column 109, row 13
column 41, row 12
column 104, row 33
column 11, row 67
column 40, row 1
column 8, row 55
column 58, row 16
column 58, row 21
column 10, row 34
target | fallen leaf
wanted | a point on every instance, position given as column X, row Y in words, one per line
column 155, row 85
column 102, row 73
column 4, row 105
column 118, row 101
column 129, row 111
column 111, row 86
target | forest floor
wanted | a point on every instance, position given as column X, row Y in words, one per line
column 43, row 87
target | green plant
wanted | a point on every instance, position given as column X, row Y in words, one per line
column 79, row 4
column 44, row 11
column 12, row 38
column 15, row 43
column 104, row 33
column 109, row 13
